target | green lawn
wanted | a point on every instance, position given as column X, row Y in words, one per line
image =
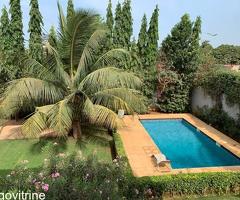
column 12, row 152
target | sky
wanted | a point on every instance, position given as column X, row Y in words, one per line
column 221, row 17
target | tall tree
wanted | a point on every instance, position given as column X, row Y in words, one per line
column 5, row 35
column 149, row 72
column 182, row 45
column 142, row 40
column 117, row 31
column 5, row 47
column 70, row 10
column 35, row 30
column 52, row 37
column 110, row 20
column 153, row 37
column 16, row 28
column 127, row 23
column 181, row 50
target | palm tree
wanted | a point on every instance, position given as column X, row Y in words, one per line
column 74, row 85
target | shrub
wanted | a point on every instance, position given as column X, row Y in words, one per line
column 220, row 120
column 173, row 92
column 219, row 81
column 71, row 177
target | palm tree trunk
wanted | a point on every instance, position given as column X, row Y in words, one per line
column 77, row 131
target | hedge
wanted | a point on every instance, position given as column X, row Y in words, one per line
column 200, row 184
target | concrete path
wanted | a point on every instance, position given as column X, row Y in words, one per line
column 11, row 130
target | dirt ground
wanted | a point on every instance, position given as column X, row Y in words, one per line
column 11, row 130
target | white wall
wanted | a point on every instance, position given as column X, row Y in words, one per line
column 200, row 98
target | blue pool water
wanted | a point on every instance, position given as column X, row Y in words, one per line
column 185, row 146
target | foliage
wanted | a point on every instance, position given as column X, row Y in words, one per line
column 219, row 81
column 149, row 55
column 35, row 30
column 75, row 176
column 127, row 21
column 173, row 94
column 157, row 187
column 123, row 25
column 206, row 59
column 142, row 41
column 117, row 30
column 70, row 10
column 7, row 71
column 110, row 20
column 152, row 41
column 220, row 120
column 182, row 45
column 78, row 89
column 16, row 27
column 179, row 54
column 227, row 54
column 52, row 37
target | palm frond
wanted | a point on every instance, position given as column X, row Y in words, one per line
column 55, row 64
column 35, row 125
column 121, row 98
column 88, row 54
column 26, row 93
column 114, row 57
column 107, row 78
column 112, row 102
column 104, row 117
column 62, row 18
column 75, row 37
column 60, row 118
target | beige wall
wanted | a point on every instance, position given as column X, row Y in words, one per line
column 200, row 98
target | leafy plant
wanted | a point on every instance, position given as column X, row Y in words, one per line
column 220, row 120
column 73, row 86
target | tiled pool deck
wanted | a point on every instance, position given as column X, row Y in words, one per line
column 139, row 146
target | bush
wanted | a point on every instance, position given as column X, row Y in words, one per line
column 219, row 81
column 72, row 177
column 173, row 92
column 220, row 120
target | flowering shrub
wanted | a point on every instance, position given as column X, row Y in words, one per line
column 69, row 177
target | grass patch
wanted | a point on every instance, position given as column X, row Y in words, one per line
column 12, row 152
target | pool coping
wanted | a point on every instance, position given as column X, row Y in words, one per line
column 139, row 145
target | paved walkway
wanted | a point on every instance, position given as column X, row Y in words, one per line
column 139, row 146
column 11, row 130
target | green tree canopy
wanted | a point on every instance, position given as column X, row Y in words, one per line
column 35, row 30
column 5, row 36
column 16, row 27
column 127, row 23
column 70, row 10
column 110, row 20
column 5, row 46
column 181, row 47
column 52, row 37
column 227, row 54
column 142, row 40
column 153, row 37
column 117, row 31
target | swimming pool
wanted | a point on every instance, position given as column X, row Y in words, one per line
column 187, row 147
